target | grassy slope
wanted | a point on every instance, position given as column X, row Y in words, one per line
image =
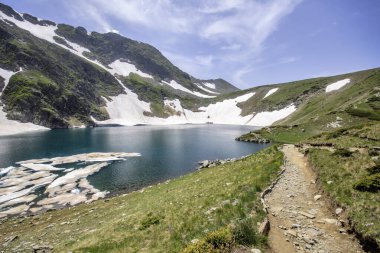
column 363, row 206
column 357, row 108
column 356, row 103
column 163, row 218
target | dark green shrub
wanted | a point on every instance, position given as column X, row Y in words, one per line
column 373, row 152
column 369, row 183
column 245, row 233
column 219, row 241
column 374, row 169
column 336, row 133
column 343, row 152
column 150, row 220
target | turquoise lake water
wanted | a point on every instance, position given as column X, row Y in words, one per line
column 166, row 151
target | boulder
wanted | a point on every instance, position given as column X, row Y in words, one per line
column 338, row 211
column 42, row 249
column 255, row 251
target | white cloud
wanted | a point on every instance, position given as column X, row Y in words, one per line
column 114, row 31
column 210, row 7
column 247, row 22
column 235, row 31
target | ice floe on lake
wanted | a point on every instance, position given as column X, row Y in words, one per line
column 51, row 186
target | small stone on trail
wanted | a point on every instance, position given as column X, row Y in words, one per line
column 255, row 251
column 292, row 233
column 317, row 197
column 331, row 221
column 296, row 225
column 308, row 215
column 342, row 230
column 338, row 211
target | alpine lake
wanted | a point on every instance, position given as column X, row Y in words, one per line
column 166, row 151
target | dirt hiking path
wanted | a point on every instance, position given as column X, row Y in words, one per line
column 299, row 218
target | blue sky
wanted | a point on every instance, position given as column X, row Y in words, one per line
column 246, row 42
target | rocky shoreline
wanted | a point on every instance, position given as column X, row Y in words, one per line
column 212, row 163
column 253, row 137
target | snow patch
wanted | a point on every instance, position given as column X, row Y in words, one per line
column 337, row 85
column 336, row 124
column 177, row 86
column 124, row 69
column 268, row 118
column 47, row 32
column 270, row 92
column 207, row 90
column 174, row 104
column 8, row 127
column 6, row 74
column 210, row 85
column 126, row 109
column 223, row 112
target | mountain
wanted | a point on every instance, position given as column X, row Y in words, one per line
column 59, row 76
column 62, row 76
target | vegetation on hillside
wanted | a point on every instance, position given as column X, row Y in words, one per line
column 351, row 176
column 55, row 85
column 357, row 103
column 345, row 121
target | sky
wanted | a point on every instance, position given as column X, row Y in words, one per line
column 246, row 42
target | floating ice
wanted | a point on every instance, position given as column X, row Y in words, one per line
column 62, row 186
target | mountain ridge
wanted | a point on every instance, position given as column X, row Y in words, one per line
column 59, row 76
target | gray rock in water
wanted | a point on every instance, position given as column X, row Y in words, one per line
column 204, row 163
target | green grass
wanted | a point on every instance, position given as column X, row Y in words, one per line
column 357, row 136
column 346, row 172
column 163, row 218
column 354, row 171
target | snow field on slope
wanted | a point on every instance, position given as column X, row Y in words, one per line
column 177, row 86
column 270, row 92
column 7, row 126
column 337, row 85
column 125, row 68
